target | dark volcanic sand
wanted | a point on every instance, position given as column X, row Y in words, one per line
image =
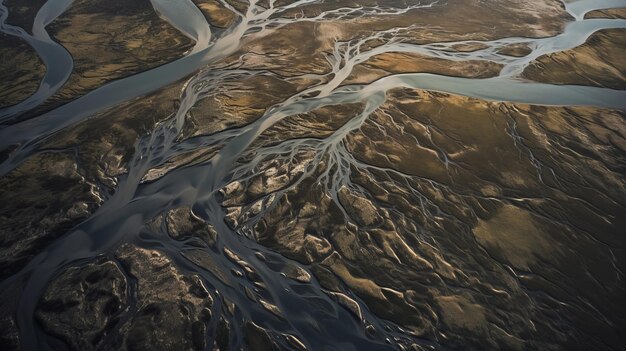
column 312, row 174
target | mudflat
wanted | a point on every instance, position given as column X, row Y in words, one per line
column 312, row 175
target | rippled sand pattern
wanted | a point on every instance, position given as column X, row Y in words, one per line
column 312, row 175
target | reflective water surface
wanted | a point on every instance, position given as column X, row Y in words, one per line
column 389, row 197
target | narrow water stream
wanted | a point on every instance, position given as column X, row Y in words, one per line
column 122, row 218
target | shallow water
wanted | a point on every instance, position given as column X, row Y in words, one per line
column 318, row 320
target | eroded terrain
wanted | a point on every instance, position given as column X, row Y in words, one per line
column 312, row 174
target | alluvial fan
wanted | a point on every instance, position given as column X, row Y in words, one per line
column 312, row 175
